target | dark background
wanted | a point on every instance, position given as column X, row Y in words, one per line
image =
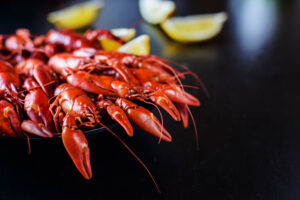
column 249, row 131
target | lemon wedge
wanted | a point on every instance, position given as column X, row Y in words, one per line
column 194, row 28
column 156, row 11
column 138, row 46
column 76, row 16
column 125, row 34
column 109, row 45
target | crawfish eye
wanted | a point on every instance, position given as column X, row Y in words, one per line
column 132, row 91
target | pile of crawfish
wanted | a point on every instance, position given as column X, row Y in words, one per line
column 62, row 83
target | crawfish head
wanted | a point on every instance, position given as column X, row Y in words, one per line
column 74, row 101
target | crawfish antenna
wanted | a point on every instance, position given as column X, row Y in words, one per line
column 195, row 128
column 28, row 143
column 137, row 23
column 134, row 155
column 202, row 85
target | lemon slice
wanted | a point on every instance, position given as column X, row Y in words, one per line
column 77, row 16
column 125, row 34
column 156, row 11
column 194, row 28
column 138, row 46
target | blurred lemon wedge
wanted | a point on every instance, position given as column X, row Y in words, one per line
column 194, row 28
column 76, row 16
column 156, row 11
column 125, row 34
column 109, row 45
column 137, row 46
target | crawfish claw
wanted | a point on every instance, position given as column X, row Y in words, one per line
column 77, row 147
column 119, row 116
column 36, row 129
column 179, row 96
column 144, row 119
column 163, row 101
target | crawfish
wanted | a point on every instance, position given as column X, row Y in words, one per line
column 75, row 109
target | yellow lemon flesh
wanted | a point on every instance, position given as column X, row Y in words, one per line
column 109, row 45
column 194, row 28
column 77, row 16
column 156, row 11
column 137, row 46
column 125, row 34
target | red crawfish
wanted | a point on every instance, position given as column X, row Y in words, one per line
column 74, row 109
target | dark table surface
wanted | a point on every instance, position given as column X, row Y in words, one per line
column 249, row 133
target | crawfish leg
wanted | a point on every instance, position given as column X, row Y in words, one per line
column 56, row 117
